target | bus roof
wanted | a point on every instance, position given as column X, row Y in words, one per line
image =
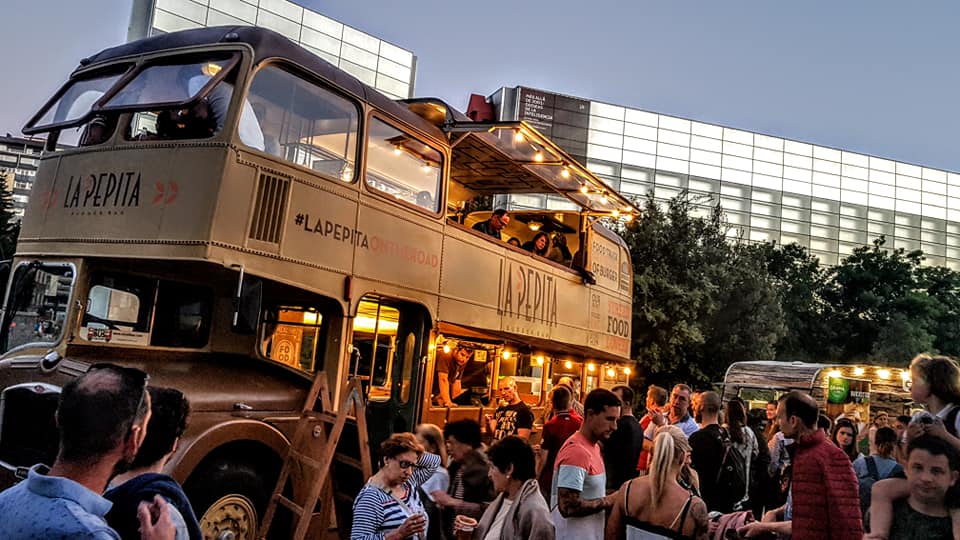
column 266, row 44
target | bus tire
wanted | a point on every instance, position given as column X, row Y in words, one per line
column 230, row 497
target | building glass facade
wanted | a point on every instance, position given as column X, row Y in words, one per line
column 384, row 66
column 828, row 200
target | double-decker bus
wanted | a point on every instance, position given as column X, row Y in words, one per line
column 235, row 216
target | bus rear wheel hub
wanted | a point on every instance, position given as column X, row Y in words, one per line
column 232, row 517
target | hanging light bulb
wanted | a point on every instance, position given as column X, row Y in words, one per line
column 626, row 371
column 446, row 348
column 858, row 371
column 615, row 213
column 604, row 199
column 565, row 172
column 883, row 373
column 591, row 368
column 518, row 136
column 568, row 365
column 628, row 218
column 611, row 373
column 538, row 157
column 584, row 189
column 397, row 151
column 540, row 360
column 505, row 355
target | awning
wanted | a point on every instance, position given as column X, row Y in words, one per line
column 551, row 345
column 513, row 157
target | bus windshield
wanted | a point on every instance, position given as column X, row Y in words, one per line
column 37, row 306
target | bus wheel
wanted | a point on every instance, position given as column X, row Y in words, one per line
column 232, row 517
column 229, row 498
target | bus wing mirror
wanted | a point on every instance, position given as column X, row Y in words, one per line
column 247, row 307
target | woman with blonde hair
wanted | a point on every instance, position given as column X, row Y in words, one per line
column 657, row 506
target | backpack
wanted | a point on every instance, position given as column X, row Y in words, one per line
column 866, row 483
column 732, row 475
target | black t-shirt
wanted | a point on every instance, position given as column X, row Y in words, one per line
column 510, row 418
column 707, row 454
column 621, row 452
column 908, row 524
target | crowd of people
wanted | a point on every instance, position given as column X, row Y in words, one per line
column 689, row 466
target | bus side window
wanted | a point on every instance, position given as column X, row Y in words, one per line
column 292, row 335
column 301, row 122
column 403, row 167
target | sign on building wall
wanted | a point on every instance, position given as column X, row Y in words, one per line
column 565, row 120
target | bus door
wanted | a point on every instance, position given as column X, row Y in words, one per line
column 389, row 340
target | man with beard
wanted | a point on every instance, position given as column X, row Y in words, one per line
column 102, row 419
column 579, row 477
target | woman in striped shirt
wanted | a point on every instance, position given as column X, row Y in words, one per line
column 388, row 507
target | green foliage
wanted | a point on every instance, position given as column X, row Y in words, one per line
column 699, row 300
column 704, row 298
column 9, row 223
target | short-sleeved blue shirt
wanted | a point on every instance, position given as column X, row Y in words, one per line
column 53, row 507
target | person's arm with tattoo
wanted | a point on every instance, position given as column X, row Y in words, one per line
column 572, row 505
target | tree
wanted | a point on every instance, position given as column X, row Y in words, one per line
column 9, row 223
column 883, row 314
column 808, row 317
column 700, row 302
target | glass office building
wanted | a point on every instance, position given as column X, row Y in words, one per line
column 386, row 67
column 771, row 188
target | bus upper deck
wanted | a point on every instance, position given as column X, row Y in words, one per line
column 293, row 161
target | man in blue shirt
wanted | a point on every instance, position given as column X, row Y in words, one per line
column 680, row 410
column 102, row 420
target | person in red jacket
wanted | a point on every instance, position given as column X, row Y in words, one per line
column 826, row 504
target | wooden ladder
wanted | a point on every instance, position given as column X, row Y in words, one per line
column 319, row 430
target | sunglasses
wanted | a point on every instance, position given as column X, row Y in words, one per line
column 131, row 377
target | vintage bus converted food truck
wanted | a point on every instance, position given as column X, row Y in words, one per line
column 237, row 216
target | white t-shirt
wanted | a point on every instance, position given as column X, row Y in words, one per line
column 497, row 526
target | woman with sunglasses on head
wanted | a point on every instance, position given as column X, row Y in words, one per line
column 389, row 507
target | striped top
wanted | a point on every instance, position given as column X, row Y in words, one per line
column 376, row 512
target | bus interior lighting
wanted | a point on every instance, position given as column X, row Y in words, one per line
column 591, row 368
column 611, row 373
column 835, row 373
column 904, row 375
column 505, row 355
column 584, row 189
column 626, row 371
column 858, row 371
column 883, row 373
column 565, row 172
column 568, row 365
column 540, row 360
